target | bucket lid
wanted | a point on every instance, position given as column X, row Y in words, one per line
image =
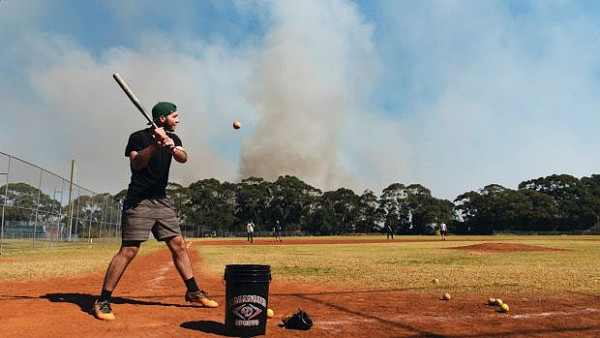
column 247, row 267
column 248, row 271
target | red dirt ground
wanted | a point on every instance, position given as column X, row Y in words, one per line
column 149, row 303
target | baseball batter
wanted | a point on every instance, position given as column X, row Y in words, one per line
column 147, row 207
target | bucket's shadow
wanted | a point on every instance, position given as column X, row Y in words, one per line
column 206, row 326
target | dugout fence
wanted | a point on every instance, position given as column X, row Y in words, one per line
column 40, row 208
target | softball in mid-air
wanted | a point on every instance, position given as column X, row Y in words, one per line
column 237, row 124
column 270, row 313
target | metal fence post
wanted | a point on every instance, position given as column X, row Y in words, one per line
column 110, row 219
column 3, row 206
column 59, row 218
column 91, row 210
column 119, row 218
column 71, row 197
column 37, row 208
column 102, row 217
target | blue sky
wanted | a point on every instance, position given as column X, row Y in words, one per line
column 453, row 95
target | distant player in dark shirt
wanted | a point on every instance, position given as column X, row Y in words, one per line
column 390, row 231
column 278, row 232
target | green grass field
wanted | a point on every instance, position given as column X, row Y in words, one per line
column 20, row 260
column 405, row 264
column 413, row 265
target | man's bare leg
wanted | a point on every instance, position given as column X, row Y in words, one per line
column 116, row 268
column 118, row 265
column 181, row 259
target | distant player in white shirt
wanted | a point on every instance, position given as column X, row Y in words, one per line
column 443, row 230
column 250, row 229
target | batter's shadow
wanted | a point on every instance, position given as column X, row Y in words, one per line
column 86, row 301
column 206, row 326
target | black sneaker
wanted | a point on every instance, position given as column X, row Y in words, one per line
column 200, row 297
column 103, row 311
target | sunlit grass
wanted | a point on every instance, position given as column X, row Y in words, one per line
column 49, row 260
column 408, row 263
column 412, row 265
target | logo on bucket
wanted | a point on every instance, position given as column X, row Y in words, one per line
column 246, row 311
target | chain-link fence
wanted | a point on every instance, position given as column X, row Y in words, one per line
column 42, row 208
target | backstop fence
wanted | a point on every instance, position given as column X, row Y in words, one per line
column 41, row 208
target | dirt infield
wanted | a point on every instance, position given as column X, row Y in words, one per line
column 149, row 303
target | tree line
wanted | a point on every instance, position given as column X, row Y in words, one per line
column 554, row 203
column 560, row 203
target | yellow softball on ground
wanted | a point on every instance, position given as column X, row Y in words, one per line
column 270, row 313
column 504, row 307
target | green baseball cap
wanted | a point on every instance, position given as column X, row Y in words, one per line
column 162, row 109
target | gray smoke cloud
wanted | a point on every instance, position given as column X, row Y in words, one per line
column 316, row 63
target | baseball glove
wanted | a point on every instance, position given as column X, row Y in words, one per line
column 299, row 321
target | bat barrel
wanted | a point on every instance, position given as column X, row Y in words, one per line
column 132, row 97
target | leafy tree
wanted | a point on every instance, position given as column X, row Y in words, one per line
column 470, row 207
column 369, row 215
column 337, row 212
column 539, row 212
column 180, row 196
column 576, row 204
column 254, row 198
column 22, row 200
column 421, row 204
column 212, row 206
column 497, row 208
column 120, row 196
column 479, row 209
column 411, row 209
column 394, row 208
column 293, row 202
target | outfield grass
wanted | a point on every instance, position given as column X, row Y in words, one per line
column 20, row 260
column 412, row 265
column 404, row 264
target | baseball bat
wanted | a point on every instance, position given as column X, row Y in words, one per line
column 133, row 98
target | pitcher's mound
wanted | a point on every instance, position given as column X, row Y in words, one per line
column 503, row 247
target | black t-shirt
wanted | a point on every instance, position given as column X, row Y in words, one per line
column 150, row 181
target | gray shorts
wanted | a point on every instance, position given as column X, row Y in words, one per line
column 153, row 215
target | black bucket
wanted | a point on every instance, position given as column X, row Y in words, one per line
column 246, row 299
